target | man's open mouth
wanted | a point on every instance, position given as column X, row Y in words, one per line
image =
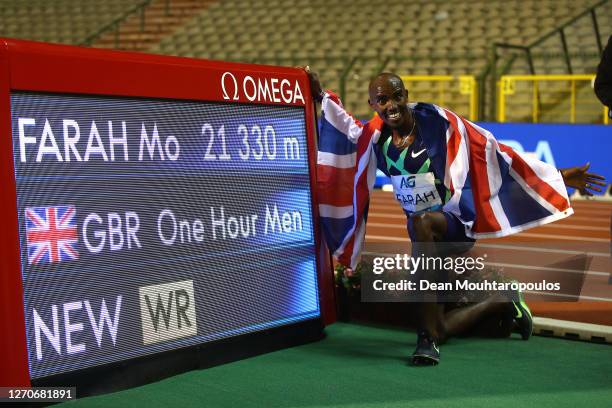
column 393, row 116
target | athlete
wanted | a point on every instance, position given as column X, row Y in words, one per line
column 406, row 142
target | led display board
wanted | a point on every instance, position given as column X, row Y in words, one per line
column 151, row 218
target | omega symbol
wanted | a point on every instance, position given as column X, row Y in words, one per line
column 225, row 93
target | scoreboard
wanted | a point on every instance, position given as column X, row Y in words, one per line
column 149, row 204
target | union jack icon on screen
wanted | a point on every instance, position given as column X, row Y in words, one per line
column 51, row 234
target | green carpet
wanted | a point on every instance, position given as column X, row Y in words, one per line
column 362, row 366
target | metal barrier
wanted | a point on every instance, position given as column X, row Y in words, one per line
column 528, row 49
column 467, row 86
column 507, row 86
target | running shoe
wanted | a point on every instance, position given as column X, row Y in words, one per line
column 523, row 315
column 427, row 351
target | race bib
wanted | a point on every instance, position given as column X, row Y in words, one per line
column 416, row 192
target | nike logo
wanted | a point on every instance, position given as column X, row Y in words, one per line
column 414, row 156
column 436, row 348
column 519, row 314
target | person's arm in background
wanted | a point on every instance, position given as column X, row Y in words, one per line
column 603, row 81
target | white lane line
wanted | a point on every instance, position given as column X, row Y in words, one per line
column 603, row 207
column 601, row 212
column 576, row 227
column 520, row 234
column 581, row 297
column 384, row 224
column 503, row 246
column 589, row 212
column 389, row 196
column 561, row 222
column 385, row 215
column 578, row 215
column 546, row 268
column 395, row 203
column 556, row 225
column 598, row 207
column 540, row 249
column 561, row 237
column 385, row 238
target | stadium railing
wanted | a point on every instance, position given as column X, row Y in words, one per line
column 497, row 72
column 465, row 84
column 507, row 87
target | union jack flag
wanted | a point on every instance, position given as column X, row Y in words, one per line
column 51, row 233
column 495, row 191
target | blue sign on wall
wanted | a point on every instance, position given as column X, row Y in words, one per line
column 560, row 145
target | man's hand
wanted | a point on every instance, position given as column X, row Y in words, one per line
column 578, row 178
column 315, row 84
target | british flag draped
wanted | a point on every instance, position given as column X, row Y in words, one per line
column 495, row 191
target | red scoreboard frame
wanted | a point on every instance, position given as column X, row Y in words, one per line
column 42, row 67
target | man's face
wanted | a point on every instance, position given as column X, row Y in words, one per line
column 388, row 98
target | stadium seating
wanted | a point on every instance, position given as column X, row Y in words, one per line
column 58, row 21
column 141, row 30
column 411, row 38
column 420, row 37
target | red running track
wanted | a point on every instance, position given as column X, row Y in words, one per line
column 574, row 251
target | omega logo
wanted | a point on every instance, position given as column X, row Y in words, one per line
column 261, row 89
column 233, row 82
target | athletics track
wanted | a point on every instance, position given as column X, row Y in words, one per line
column 575, row 250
